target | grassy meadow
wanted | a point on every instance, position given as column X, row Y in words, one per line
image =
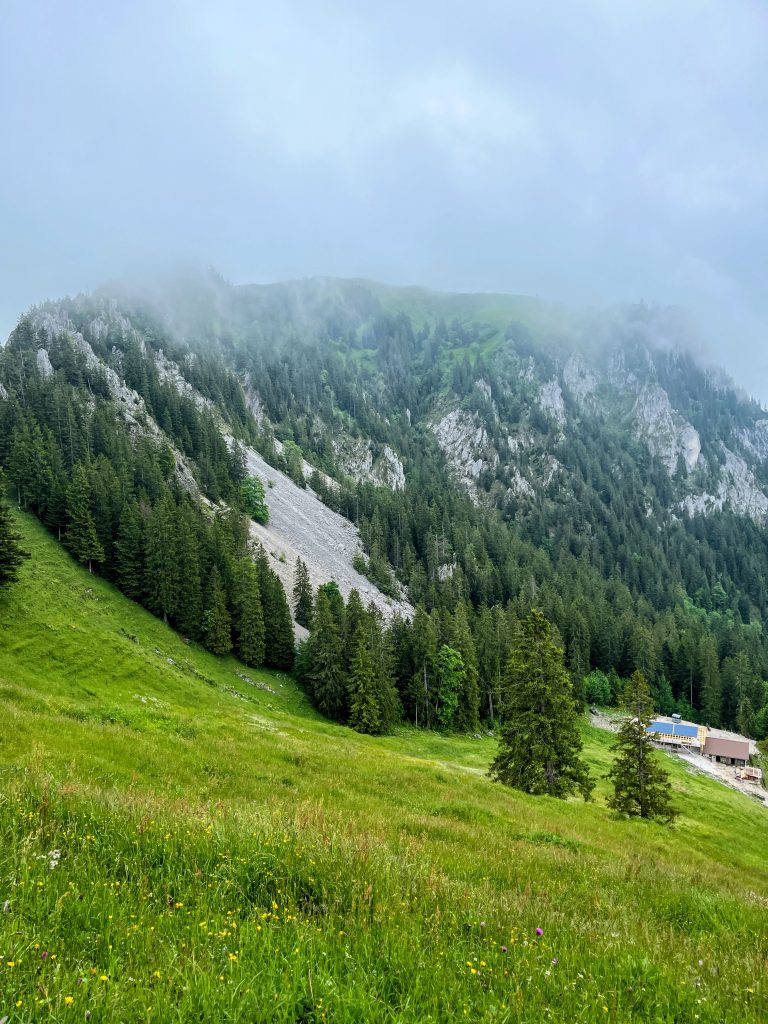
column 180, row 843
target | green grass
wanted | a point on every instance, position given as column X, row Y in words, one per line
column 227, row 855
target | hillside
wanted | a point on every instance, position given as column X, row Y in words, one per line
column 474, row 454
column 225, row 854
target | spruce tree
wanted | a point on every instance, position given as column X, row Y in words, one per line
column 249, row 616
column 327, row 682
column 279, row 649
column 424, row 651
column 540, row 746
column 80, row 537
column 467, row 712
column 161, row 577
column 450, row 683
column 364, row 711
column 129, row 552
column 12, row 555
column 302, row 595
column 189, row 605
column 217, row 624
column 641, row 786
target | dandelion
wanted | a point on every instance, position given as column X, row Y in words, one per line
column 103, row 977
column 68, row 1000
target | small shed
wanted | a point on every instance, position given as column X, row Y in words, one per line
column 727, row 751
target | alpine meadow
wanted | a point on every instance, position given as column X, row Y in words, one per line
column 408, row 812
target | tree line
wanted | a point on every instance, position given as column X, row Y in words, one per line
column 116, row 501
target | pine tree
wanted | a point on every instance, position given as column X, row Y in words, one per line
column 641, row 786
column 80, row 536
column 302, row 595
column 161, row 577
column 129, row 552
column 12, row 555
column 217, row 624
column 540, row 746
column 467, row 713
column 279, row 650
column 249, row 616
column 450, row 683
column 328, row 686
column 364, row 711
column 189, row 604
column 424, row 650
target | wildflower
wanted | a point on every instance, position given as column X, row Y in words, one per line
column 539, row 931
column 555, row 960
column 482, row 924
column 503, row 949
column 44, row 955
column 68, row 1000
column 103, row 977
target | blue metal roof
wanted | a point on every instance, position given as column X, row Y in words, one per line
column 674, row 729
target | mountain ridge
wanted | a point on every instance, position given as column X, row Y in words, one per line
column 480, row 460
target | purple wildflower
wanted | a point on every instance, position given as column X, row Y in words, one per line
column 539, row 931
column 503, row 949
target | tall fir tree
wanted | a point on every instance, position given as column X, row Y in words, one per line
column 189, row 605
column 249, row 616
column 279, row 648
column 325, row 653
column 364, row 710
column 467, row 717
column 540, row 746
column 161, row 566
column 12, row 555
column 129, row 552
column 450, row 673
column 80, row 537
column 217, row 624
column 421, row 688
column 302, row 595
column 641, row 786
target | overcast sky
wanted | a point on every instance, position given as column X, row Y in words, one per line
column 582, row 150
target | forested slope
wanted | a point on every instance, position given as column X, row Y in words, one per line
column 494, row 452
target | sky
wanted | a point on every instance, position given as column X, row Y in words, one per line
column 586, row 151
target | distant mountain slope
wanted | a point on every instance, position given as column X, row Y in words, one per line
column 488, row 450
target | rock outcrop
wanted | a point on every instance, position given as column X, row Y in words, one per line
column 737, row 490
column 666, row 433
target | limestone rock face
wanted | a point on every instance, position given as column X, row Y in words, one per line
column 666, row 433
column 465, row 444
column 581, row 383
column 737, row 490
column 44, row 367
column 755, row 439
column 356, row 457
column 551, row 401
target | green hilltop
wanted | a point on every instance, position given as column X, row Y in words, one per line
column 179, row 842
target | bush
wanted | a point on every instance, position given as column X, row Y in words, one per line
column 597, row 689
column 254, row 502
